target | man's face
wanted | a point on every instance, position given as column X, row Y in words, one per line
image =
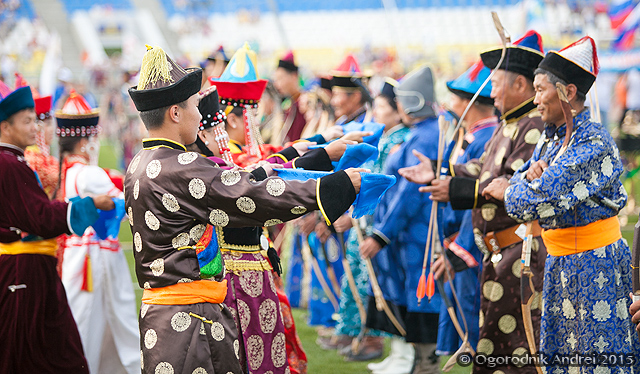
column 458, row 104
column 21, row 129
column 547, row 100
column 499, row 90
column 344, row 102
column 285, row 82
column 190, row 120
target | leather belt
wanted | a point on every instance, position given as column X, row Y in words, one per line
column 496, row 240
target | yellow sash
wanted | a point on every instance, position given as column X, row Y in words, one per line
column 38, row 247
column 572, row 240
column 200, row 291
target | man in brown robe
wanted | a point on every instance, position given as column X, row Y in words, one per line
column 170, row 196
column 502, row 331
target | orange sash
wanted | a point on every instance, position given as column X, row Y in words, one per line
column 37, row 247
column 200, row 291
column 572, row 240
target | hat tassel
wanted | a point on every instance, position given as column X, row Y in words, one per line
column 154, row 68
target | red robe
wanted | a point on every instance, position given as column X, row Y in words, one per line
column 38, row 331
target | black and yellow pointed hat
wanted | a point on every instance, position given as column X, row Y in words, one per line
column 163, row 82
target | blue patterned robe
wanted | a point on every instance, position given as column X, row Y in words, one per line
column 585, row 295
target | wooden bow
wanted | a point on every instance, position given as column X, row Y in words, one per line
column 348, row 272
column 505, row 38
column 381, row 303
column 316, row 269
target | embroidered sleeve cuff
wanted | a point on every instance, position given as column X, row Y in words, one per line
column 380, row 238
column 315, row 159
column 463, row 193
column 334, row 194
column 288, row 154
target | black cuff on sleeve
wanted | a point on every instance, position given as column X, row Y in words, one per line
column 462, row 193
column 335, row 195
column 315, row 159
column 379, row 239
column 289, row 153
column 259, row 174
column 457, row 264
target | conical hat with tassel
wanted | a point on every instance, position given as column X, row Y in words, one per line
column 576, row 63
column 162, row 82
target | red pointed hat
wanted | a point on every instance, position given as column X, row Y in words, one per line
column 576, row 63
column 77, row 118
column 43, row 104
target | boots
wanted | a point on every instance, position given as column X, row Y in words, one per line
column 426, row 361
column 370, row 348
column 399, row 361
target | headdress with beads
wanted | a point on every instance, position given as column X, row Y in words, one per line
column 241, row 86
column 77, row 118
column 212, row 117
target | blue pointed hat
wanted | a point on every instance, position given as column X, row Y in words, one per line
column 522, row 57
column 240, row 84
column 467, row 84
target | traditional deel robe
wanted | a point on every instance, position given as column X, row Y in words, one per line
column 586, row 290
column 39, row 333
column 105, row 309
column 252, row 295
column 293, row 119
column 170, row 196
column 501, row 327
column 462, row 252
column 349, row 321
column 400, row 224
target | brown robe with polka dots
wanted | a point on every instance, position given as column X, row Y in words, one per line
column 170, row 195
column 501, row 327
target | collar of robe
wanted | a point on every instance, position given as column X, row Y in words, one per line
column 518, row 112
column 153, row 143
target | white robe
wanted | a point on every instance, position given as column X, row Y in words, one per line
column 107, row 316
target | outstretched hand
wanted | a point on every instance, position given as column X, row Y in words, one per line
column 357, row 136
column 421, row 173
column 336, row 149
